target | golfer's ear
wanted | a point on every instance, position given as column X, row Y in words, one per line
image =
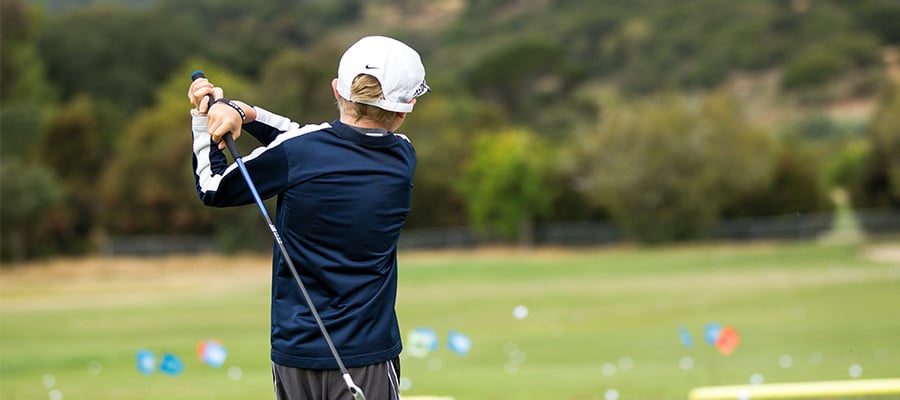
column 334, row 83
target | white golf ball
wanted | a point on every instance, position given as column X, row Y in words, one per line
column 235, row 373
column 520, row 312
column 856, row 371
column 609, row 369
column 756, row 379
column 786, row 361
column 611, row 394
column 686, row 363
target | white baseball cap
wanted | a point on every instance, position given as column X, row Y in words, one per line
column 397, row 67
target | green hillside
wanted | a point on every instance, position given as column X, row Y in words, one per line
column 800, row 94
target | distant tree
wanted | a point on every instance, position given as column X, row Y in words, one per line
column 74, row 146
column 59, row 6
column 880, row 185
column 28, row 193
column 513, row 75
column 244, row 34
column 816, row 65
column 26, row 98
column 885, row 131
column 115, row 54
column 531, row 80
column 22, row 71
column 665, row 167
column 797, row 185
column 846, row 169
column 442, row 128
column 298, row 83
column 879, row 17
column 504, row 183
column 149, row 187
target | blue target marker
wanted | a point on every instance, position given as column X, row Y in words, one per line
column 420, row 342
column 171, row 365
column 712, row 332
column 686, row 339
column 212, row 353
column 459, row 343
column 146, row 362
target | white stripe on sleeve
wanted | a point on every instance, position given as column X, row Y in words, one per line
column 274, row 120
column 201, row 145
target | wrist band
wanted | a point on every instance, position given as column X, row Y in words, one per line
column 233, row 105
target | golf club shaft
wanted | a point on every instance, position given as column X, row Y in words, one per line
column 236, row 154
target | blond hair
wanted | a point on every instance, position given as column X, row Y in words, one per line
column 365, row 88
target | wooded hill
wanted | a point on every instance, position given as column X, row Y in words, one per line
column 662, row 117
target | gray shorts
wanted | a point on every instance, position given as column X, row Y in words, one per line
column 377, row 381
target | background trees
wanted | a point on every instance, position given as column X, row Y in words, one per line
column 113, row 53
column 705, row 124
column 27, row 193
column 504, row 183
column 665, row 167
column 880, row 184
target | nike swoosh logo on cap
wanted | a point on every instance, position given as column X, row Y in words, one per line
column 370, row 67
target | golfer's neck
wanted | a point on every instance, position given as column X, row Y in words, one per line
column 362, row 123
column 366, row 123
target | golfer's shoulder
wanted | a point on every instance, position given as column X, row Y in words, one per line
column 305, row 132
column 402, row 136
column 313, row 129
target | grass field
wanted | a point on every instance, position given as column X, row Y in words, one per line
column 601, row 324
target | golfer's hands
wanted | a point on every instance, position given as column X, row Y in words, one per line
column 201, row 87
column 220, row 118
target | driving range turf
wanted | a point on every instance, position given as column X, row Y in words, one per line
column 601, row 323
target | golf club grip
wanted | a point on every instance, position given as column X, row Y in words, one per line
column 229, row 141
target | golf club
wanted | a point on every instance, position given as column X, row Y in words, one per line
column 232, row 148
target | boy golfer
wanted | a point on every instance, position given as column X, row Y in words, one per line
column 343, row 190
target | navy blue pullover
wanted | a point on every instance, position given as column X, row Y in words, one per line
column 343, row 198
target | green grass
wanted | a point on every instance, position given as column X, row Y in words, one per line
column 827, row 307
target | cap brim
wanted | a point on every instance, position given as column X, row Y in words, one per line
column 388, row 105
